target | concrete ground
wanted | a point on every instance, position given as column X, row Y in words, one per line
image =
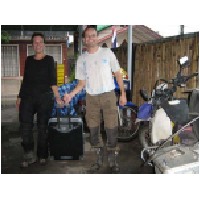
column 12, row 153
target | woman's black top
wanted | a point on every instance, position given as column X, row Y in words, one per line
column 39, row 76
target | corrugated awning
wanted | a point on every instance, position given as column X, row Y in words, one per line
column 102, row 27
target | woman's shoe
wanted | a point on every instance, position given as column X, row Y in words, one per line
column 26, row 163
column 28, row 159
column 42, row 161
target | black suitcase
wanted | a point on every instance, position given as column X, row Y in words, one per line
column 66, row 137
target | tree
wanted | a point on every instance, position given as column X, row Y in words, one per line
column 5, row 37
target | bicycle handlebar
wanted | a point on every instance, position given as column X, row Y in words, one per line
column 167, row 93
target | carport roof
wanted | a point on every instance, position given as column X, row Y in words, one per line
column 39, row 27
column 46, row 27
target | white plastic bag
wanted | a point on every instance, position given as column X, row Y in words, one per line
column 161, row 126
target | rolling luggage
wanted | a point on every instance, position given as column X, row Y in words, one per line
column 65, row 137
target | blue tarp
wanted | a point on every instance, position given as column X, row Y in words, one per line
column 145, row 111
column 68, row 87
column 68, row 110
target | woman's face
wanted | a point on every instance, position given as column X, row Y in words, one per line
column 38, row 44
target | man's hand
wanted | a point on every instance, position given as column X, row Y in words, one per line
column 122, row 99
column 78, row 88
column 68, row 97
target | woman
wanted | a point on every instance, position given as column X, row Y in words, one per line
column 36, row 96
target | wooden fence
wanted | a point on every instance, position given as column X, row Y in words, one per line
column 158, row 59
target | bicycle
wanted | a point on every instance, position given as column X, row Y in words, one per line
column 128, row 128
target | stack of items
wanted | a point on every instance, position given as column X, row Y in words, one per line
column 68, row 109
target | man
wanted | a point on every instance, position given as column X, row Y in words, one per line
column 94, row 71
column 36, row 95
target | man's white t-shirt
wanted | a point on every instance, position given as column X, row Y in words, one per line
column 96, row 69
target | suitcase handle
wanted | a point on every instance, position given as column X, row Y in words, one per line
column 58, row 113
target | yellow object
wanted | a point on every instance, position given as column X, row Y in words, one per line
column 176, row 138
column 60, row 74
column 124, row 73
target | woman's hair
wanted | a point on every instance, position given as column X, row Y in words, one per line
column 37, row 34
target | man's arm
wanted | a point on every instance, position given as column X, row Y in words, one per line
column 77, row 89
column 122, row 100
column 120, row 82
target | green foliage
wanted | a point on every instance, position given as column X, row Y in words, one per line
column 72, row 68
column 4, row 37
column 72, row 75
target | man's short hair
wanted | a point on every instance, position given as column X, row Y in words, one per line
column 91, row 26
column 87, row 27
column 37, row 34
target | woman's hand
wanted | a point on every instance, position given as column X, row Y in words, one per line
column 59, row 101
column 18, row 103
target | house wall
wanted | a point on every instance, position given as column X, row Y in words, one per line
column 10, row 85
column 23, row 51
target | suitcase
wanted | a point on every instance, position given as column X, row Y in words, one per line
column 65, row 137
column 177, row 160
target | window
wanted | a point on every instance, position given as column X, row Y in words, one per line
column 50, row 49
column 9, row 60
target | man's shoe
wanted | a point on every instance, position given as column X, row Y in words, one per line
column 115, row 169
column 113, row 161
column 94, row 167
column 100, row 155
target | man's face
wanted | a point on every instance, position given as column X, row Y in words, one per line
column 91, row 38
column 38, row 44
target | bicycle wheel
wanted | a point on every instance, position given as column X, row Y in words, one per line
column 144, row 135
column 128, row 129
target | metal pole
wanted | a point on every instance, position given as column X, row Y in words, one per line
column 80, row 44
column 182, row 29
column 129, row 54
column 22, row 30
